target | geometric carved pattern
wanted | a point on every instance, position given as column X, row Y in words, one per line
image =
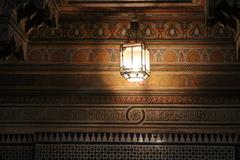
column 137, row 138
column 16, row 152
column 120, row 138
column 107, row 98
column 16, row 138
column 149, row 116
column 40, row 109
column 16, row 147
column 114, row 146
column 133, row 152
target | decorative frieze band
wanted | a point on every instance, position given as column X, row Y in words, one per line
column 119, row 137
column 143, row 116
column 16, row 139
column 109, row 54
column 119, row 145
column 107, row 98
column 115, row 30
column 109, row 137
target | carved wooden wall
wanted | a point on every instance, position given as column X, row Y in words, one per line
column 67, row 100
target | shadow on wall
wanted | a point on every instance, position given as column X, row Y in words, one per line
column 64, row 67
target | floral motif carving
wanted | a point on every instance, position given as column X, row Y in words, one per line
column 117, row 116
column 115, row 30
column 163, row 55
column 135, row 115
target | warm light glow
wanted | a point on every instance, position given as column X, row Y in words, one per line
column 135, row 66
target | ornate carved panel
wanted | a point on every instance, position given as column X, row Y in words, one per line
column 118, row 116
column 71, row 102
column 133, row 97
column 16, row 146
column 10, row 152
column 134, row 152
column 160, row 27
column 114, row 145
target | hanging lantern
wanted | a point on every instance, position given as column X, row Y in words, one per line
column 134, row 57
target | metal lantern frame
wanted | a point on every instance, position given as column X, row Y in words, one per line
column 134, row 57
column 131, row 72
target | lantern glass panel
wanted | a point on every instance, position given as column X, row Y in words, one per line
column 135, row 64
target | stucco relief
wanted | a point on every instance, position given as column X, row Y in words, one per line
column 120, row 115
column 110, row 55
column 157, row 29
